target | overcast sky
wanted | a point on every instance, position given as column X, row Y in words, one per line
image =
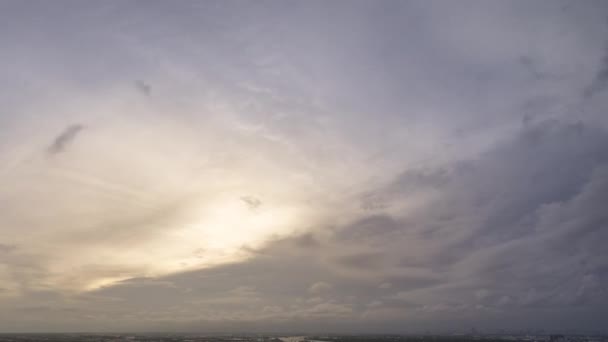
column 346, row 166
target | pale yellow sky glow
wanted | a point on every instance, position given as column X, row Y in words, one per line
column 125, row 200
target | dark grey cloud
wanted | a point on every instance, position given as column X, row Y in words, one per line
column 600, row 79
column 369, row 228
column 65, row 138
column 143, row 88
column 307, row 240
column 511, row 243
column 362, row 260
column 534, row 68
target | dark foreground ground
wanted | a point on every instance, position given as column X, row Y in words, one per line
column 260, row 338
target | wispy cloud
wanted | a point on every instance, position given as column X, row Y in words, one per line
column 65, row 138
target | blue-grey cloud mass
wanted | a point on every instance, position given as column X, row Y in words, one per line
column 337, row 166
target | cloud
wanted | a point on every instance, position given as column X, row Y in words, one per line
column 143, row 87
column 385, row 286
column 369, row 228
column 479, row 262
column 63, row 140
column 422, row 166
column 319, row 287
column 306, row 240
column 600, row 80
column 329, row 310
column 251, row 201
column 362, row 260
column 4, row 248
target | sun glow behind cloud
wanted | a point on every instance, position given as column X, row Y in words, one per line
column 120, row 200
column 224, row 231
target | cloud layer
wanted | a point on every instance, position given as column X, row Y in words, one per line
column 363, row 166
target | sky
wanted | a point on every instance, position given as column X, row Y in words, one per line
column 314, row 166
